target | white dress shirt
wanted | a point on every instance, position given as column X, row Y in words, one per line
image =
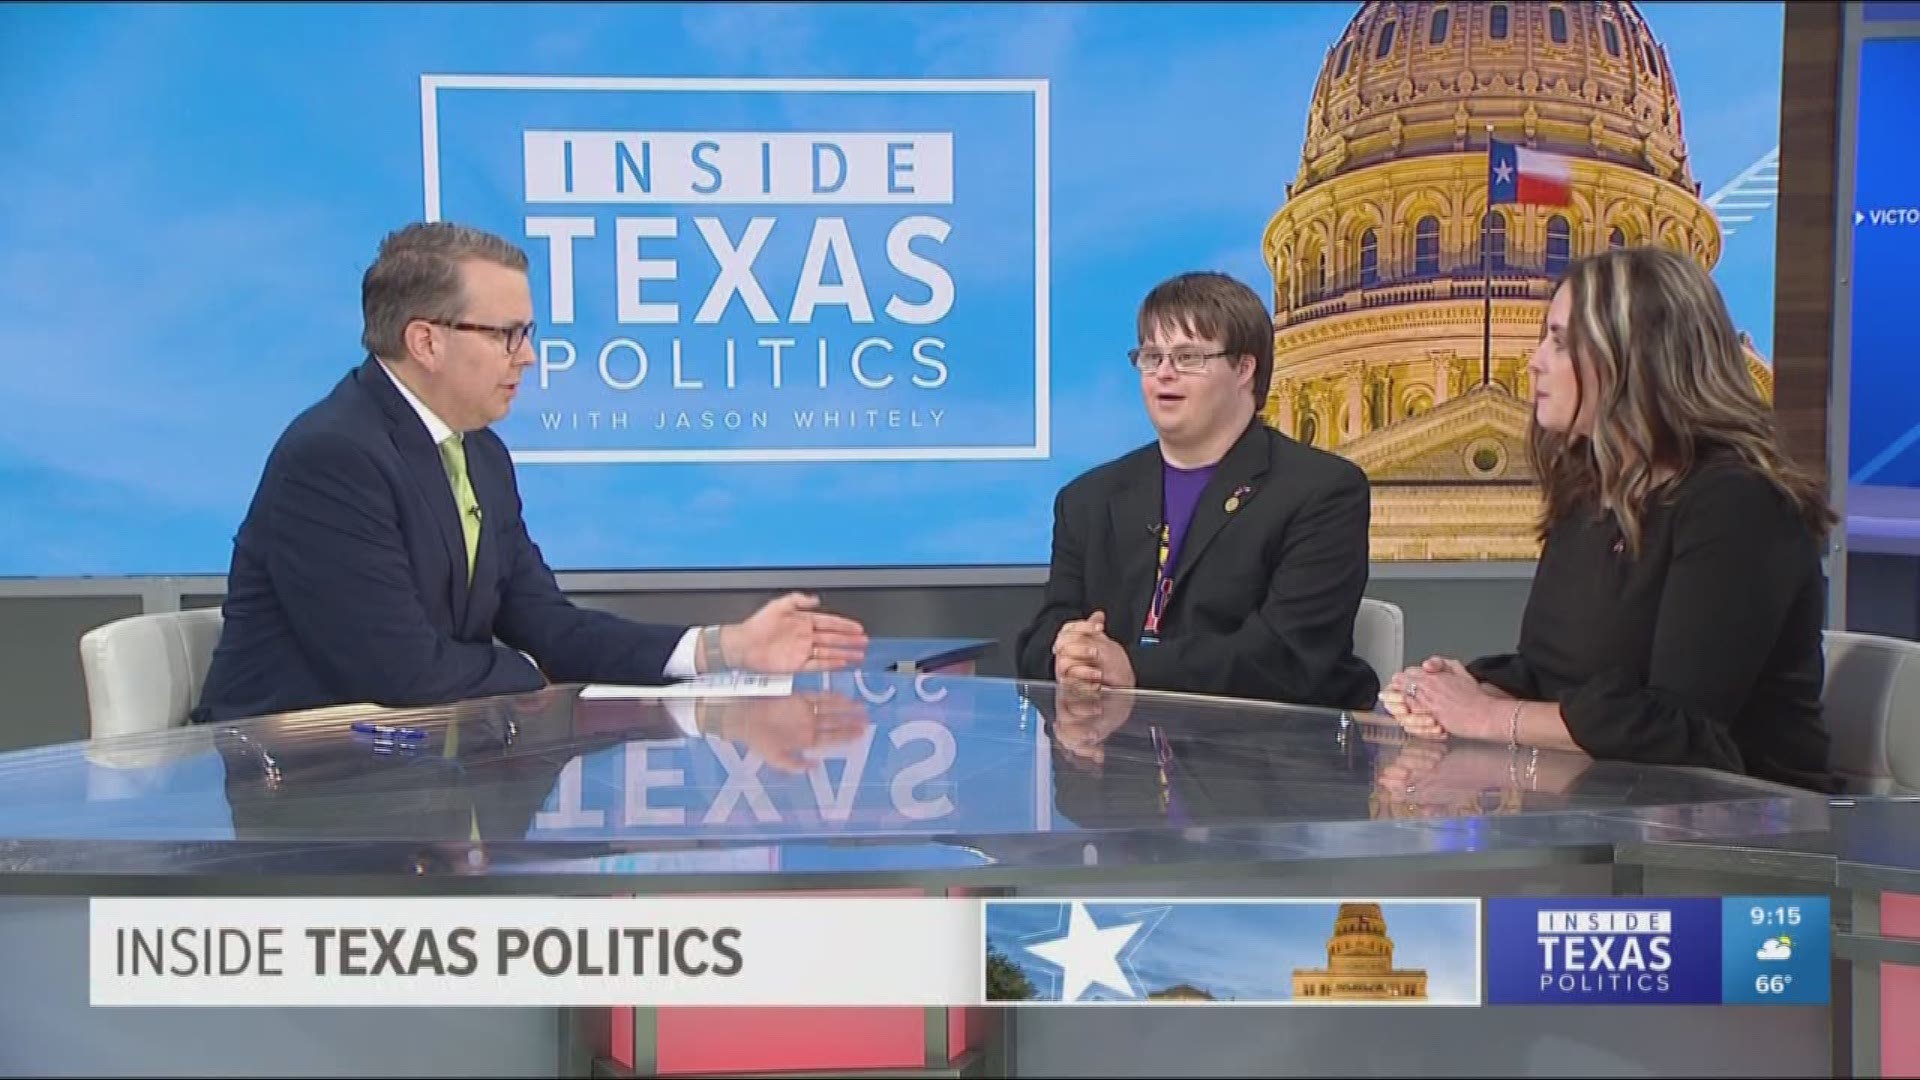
column 679, row 662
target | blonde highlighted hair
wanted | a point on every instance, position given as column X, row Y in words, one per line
column 1662, row 370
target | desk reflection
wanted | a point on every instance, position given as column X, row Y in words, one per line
column 1422, row 778
column 856, row 754
column 851, row 772
column 1122, row 757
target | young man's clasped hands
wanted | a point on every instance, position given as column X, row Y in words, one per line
column 1085, row 658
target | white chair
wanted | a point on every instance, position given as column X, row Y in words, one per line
column 1379, row 637
column 1872, row 697
column 144, row 673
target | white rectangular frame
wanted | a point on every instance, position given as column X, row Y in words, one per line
column 1042, row 446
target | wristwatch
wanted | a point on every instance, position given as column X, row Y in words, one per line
column 712, row 656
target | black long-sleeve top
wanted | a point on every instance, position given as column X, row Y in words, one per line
column 1706, row 650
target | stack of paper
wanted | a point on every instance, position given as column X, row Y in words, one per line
column 719, row 685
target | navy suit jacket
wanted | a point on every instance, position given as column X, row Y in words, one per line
column 349, row 577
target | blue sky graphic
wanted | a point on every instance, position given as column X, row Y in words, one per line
column 1242, row 951
column 194, row 191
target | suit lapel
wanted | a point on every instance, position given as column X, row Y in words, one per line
column 486, row 556
column 1242, row 468
column 1135, row 517
column 429, row 473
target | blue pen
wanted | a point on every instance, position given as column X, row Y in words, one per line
column 388, row 730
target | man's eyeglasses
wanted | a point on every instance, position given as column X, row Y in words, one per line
column 1190, row 362
column 511, row 336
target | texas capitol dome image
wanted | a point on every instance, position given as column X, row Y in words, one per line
column 1398, row 342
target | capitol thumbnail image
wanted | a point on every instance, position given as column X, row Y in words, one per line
column 1264, row 952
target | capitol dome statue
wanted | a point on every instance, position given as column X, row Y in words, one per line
column 1382, row 347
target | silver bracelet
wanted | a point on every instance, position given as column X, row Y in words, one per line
column 1533, row 764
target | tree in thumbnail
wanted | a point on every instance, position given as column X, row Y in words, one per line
column 1005, row 980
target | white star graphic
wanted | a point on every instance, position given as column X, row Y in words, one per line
column 1088, row 954
column 1503, row 172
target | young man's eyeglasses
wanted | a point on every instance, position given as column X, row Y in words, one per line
column 511, row 336
column 1189, row 361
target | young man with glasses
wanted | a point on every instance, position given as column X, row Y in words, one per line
column 1223, row 558
column 384, row 559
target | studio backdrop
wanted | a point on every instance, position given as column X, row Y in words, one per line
column 840, row 285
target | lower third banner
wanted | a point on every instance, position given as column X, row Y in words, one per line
column 931, row 952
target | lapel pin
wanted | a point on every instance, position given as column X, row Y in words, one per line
column 1233, row 500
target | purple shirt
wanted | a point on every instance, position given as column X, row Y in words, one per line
column 1180, row 493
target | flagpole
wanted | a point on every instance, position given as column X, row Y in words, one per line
column 1486, row 276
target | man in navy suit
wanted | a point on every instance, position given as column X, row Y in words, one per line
column 384, row 559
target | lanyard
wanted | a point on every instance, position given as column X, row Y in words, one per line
column 1163, row 754
column 1162, row 588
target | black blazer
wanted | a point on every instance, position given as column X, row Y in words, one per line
column 349, row 576
column 1705, row 650
column 1264, row 597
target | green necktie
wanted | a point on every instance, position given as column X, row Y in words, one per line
column 453, row 453
column 453, row 750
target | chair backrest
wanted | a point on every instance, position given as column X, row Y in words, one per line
column 1872, row 704
column 1379, row 637
column 144, row 673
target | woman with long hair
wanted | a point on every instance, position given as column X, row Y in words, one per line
column 1676, row 611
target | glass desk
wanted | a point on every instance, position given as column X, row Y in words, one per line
column 863, row 778
column 913, row 784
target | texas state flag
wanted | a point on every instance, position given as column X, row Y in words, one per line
column 1516, row 174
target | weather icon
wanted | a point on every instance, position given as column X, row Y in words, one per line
column 1776, row 948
